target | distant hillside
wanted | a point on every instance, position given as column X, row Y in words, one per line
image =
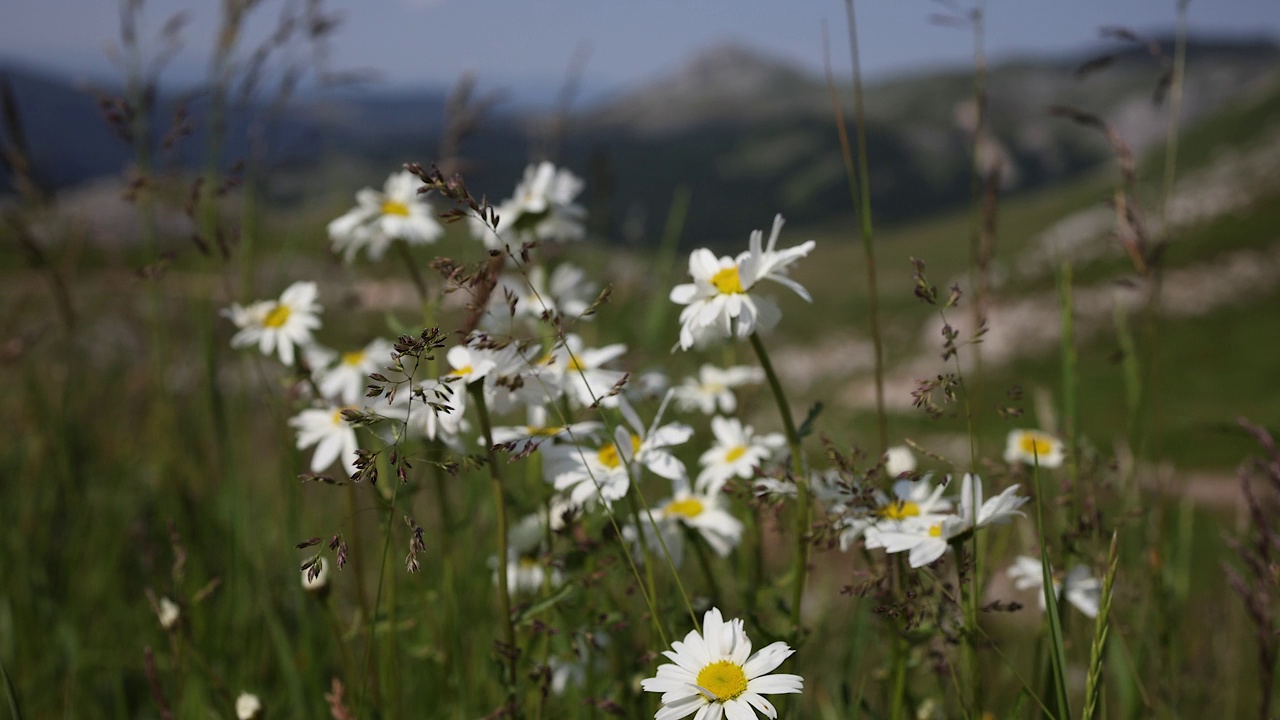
column 747, row 134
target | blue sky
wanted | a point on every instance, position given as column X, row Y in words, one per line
column 525, row 45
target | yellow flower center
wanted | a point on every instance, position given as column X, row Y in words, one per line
column 936, row 531
column 735, row 453
column 899, row 510
column 727, row 281
column 548, row 431
column 391, row 207
column 463, row 371
column 690, row 507
column 353, row 358
column 1033, row 444
column 609, row 456
column 278, row 316
column 725, row 680
column 574, row 364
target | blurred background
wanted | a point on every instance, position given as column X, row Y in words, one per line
column 161, row 160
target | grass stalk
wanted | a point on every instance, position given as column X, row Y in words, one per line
column 863, row 203
column 1057, row 645
column 510, row 651
column 1101, row 631
column 804, row 509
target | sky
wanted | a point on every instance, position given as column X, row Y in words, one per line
column 525, row 46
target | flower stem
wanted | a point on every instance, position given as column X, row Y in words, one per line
column 804, row 509
column 500, row 504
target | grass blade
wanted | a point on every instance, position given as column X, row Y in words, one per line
column 15, row 708
column 1057, row 648
column 1102, row 629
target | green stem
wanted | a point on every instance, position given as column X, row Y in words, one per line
column 804, row 508
column 864, row 216
column 500, row 505
column 713, row 585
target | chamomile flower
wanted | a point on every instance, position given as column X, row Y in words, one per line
column 526, row 572
column 704, row 514
column 899, row 460
column 278, row 325
column 915, row 501
column 737, row 453
column 714, row 387
column 927, row 538
column 589, row 474
column 1033, row 447
column 333, row 437
column 567, row 293
column 723, row 300
column 1079, row 586
column 168, row 613
column 715, row 675
column 998, row 510
column 399, row 212
column 540, row 429
column 542, row 208
column 248, row 707
column 432, row 409
column 580, row 371
column 347, row 381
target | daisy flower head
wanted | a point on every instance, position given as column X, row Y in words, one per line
column 737, row 453
column 332, row 435
column 581, row 372
column 433, row 409
column 912, row 502
column 715, row 675
column 923, row 542
column 168, row 613
column 998, row 510
column 1079, row 586
column 542, row 208
column 704, row 514
column 248, row 707
column 723, row 300
column 540, row 429
column 605, row 473
column 533, row 297
column 1033, row 447
column 713, row 388
column 399, row 212
column 898, row 461
column 278, row 325
column 348, row 380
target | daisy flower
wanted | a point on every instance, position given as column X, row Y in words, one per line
column 927, row 538
column 535, row 297
column 715, row 675
column 714, row 388
column 1079, row 586
column 333, row 437
column 248, row 706
column 737, row 453
column 579, row 370
column 348, row 380
column 898, row 461
column 542, row 208
column 704, row 514
column 540, row 429
column 433, row 409
column 399, row 212
column 526, row 572
column 589, row 474
column 168, row 613
column 723, row 300
column 1033, row 447
column 278, row 325
column 912, row 501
